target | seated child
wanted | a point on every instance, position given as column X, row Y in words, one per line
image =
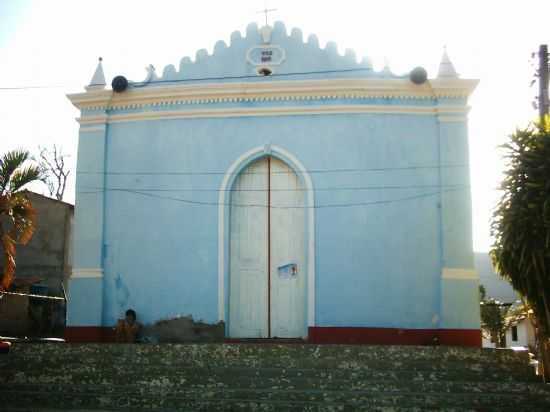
column 127, row 329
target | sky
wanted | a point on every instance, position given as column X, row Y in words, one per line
column 55, row 44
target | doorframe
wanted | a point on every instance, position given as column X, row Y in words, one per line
column 223, row 225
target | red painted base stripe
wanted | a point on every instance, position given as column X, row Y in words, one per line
column 4, row 347
column 89, row 334
column 394, row 336
column 328, row 335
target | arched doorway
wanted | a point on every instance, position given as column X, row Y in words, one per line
column 267, row 265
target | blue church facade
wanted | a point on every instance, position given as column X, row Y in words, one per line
column 280, row 188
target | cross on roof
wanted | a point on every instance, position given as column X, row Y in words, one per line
column 266, row 11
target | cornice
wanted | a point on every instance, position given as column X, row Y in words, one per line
column 204, row 112
column 135, row 98
column 97, row 127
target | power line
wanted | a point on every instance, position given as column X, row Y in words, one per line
column 31, row 295
column 336, row 205
column 254, row 76
column 34, row 87
column 198, row 79
column 312, row 171
column 345, row 188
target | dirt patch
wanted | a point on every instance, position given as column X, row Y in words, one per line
column 183, row 329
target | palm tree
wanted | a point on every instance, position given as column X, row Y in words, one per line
column 17, row 216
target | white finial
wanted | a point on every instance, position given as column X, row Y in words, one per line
column 98, row 79
column 446, row 68
column 151, row 74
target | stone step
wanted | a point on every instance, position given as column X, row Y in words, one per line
column 170, row 358
column 129, row 374
column 294, row 383
column 288, row 351
column 271, row 377
column 98, row 363
column 135, row 398
column 252, row 406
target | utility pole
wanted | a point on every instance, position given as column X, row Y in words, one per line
column 543, row 81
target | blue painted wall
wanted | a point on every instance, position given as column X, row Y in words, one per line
column 85, row 302
column 378, row 264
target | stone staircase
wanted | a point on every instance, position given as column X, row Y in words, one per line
column 266, row 377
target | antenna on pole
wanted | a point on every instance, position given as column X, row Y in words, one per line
column 266, row 11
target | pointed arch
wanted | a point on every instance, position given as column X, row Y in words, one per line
column 223, row 224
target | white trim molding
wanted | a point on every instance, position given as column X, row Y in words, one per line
column 92, row 129
column 228, row 180
column 272, row 91
column 452, row 119
column 271, row 111
column 87, row 273
column 459, row 274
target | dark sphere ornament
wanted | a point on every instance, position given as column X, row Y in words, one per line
column 119, row 84
column 418, row 75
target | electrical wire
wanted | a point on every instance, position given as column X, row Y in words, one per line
column 353, row 188
column 255, row 76
column 198, row 79
column 33, row 87
column 335, row 205
column 31, row 295
column 312, row 171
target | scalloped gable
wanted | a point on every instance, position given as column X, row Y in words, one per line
column 301, row 60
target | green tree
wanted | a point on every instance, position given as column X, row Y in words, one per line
column 17, row 216
column 493, row 316
column 521, row 224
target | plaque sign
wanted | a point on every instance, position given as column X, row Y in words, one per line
column 268, row 55
column 288, row 271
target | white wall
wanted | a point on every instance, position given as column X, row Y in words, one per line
column 525, row 335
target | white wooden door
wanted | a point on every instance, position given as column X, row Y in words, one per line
column 265, row 300
column 288, row 303
column 248, row 288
